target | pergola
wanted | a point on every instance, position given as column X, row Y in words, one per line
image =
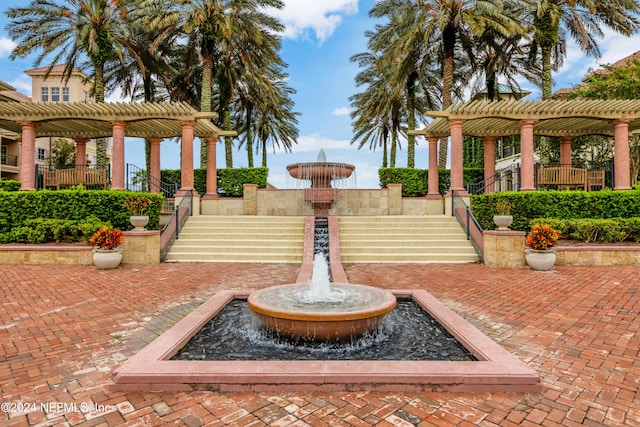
column 84, row 121
column 563, row 119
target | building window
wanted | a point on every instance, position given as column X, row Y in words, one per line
column 3, row 155
column 65, row 94
column 85, row 97
column 42, row 154
column 44, row 94
column 55, row 94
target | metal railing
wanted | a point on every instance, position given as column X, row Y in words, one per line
column 171, row 230
column 469, row 224
column 138, row 179
column 506, row 179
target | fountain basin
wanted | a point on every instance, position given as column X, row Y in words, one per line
column 362, row 310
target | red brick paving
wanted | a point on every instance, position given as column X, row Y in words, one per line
column 65, row 329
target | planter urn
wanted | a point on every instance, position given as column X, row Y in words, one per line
column 107, row 259
column 503, row 221
column 139, row 222
column 540, row 260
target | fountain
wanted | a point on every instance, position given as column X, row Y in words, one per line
column 321, row 174
column 323, row 311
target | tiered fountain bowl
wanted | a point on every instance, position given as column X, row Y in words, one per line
column 361, row 311
column 321, row 311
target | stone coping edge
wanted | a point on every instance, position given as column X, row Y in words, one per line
column 496, row 369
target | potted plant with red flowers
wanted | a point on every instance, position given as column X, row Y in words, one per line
column 106, row 253
column 540, row 252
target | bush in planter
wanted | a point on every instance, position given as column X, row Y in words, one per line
column 107, row 238
column 542, row 237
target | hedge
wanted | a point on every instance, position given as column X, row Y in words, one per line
column 9, row 185
column 230, row 181
column 414, row 181
column 107, row 206
column 611, row 230
column 526, row 206
column 43, row 230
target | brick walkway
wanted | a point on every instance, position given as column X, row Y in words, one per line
column 65, row 329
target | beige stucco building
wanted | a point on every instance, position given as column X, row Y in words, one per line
column 47, row 86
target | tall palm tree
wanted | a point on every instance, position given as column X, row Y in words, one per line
column 381, row 103
column 262, row 96
column 582, row 20
column 71, row 31
column 454, row 23
column 402, row 47
column 210, row 26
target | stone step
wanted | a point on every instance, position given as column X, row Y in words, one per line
column 404, row 239
column 211, row 238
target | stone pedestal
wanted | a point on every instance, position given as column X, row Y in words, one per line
column 504, row 249
column 141, row 248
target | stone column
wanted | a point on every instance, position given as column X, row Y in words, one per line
column 212, row 173
column 434, row 180
column 565, row 150
column 621, row 160
column 154, row 160
column 527, row 169
column 489, row 163
column 186, row 161
column 117, row 161
column 81, row 152
column 28, row 156
column 457, row 167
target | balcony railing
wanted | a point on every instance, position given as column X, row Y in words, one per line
column 9, row 160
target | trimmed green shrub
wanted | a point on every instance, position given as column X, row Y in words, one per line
column 43, row 230
column 526, row 206
column 230, row 180
column 107, row 206
column 9, row 185
column 610, row 230
column 415, row 181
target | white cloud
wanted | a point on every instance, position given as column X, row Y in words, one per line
column 342, row 111
column 319, row 17
column 6, row 46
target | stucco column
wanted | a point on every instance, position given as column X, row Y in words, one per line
column 489, row 163
column 457, row 167
column 81, row 152
column 434, row 180
column 186, row 160
column 565, row 150
column 117, row 161
column 212, row 173
column 154, row 164
column 28, row 156
column 527, row 169
column 621, row 161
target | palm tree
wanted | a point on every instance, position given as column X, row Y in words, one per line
column 380, row 104
column 404, row 52
column 582, row 20
column 261, row 97
column 210, row 28
column 71, row 32
column 454, row 23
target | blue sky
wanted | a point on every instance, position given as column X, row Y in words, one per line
column 318, row 42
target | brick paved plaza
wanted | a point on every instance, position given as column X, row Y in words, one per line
column 65, row 329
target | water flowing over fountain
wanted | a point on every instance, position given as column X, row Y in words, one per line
column 322, row 176
column 323, row 311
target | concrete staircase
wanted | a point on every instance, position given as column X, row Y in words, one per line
column 211, row 238
column 279, row 239
column 404, row 239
